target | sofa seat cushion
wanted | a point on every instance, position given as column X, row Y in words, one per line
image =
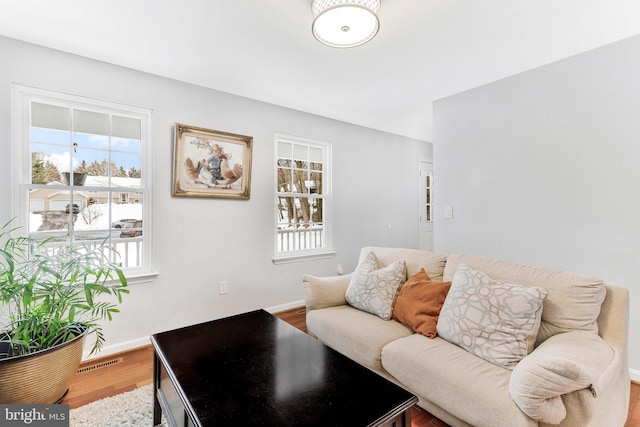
column 573, row 302
column 459, row 382
column 357, row 334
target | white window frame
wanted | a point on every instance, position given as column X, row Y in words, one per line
column 305, row 254
column 22, row 96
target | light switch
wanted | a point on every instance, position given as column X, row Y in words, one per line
column 448, row 212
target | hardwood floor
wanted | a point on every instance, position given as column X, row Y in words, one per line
column 111, row 375
column 107, row 376
column 633, row 419
column 295, row 317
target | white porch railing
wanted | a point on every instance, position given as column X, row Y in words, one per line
column 129, row 249
column 299, row 239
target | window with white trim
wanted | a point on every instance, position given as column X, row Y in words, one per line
column 303, row 200
column 82, row 172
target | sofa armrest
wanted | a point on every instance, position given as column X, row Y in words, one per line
column 562, row 364
column 321, row 292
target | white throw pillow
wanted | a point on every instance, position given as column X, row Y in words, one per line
column 493, row 319
column 374, row 290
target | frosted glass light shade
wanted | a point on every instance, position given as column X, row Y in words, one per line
column 345, row 23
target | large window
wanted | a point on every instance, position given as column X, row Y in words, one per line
column 82, row 173
column 303, row 203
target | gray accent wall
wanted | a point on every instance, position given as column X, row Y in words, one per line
column 544, row 168
column 199, row 242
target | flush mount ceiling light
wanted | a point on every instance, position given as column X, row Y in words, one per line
column 345, row 23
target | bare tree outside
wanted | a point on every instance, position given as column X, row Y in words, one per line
column 300, row 197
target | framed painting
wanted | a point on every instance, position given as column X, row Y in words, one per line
column 210, row 163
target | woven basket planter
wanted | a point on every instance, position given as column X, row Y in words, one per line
column 42, row 377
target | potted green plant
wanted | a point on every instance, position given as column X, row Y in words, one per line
column 51, row 299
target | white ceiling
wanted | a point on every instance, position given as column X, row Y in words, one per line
column 263, row 49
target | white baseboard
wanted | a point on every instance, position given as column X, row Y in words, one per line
column 117, row 348
column 142, row 341
column 283, row 307
column 635, row 375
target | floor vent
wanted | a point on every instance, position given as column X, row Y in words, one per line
column 99, row 365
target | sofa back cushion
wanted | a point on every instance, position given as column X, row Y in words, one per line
column 573, row 302
column 415, row 259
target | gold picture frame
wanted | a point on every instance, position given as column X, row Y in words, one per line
column 210, row 163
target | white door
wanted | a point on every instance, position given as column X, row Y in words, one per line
column 426, row 206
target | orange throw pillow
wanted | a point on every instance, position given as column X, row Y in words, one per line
column 419, row 302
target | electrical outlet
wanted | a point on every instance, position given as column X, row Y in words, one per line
column 224, row 287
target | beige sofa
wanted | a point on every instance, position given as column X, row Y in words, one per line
column 577, row 375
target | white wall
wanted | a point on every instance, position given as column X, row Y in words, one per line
column 544, row 168
column 198, row 242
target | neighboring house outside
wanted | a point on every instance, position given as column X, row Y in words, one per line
column 55, row 205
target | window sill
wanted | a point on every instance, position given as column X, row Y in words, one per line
column 137, row 277
column 286, row 259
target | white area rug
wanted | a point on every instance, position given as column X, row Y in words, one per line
column 133, row 408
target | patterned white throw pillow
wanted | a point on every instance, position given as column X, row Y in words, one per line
column 374, row 290
column 493, row 319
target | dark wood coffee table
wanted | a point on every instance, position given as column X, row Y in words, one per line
column 254, row 369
